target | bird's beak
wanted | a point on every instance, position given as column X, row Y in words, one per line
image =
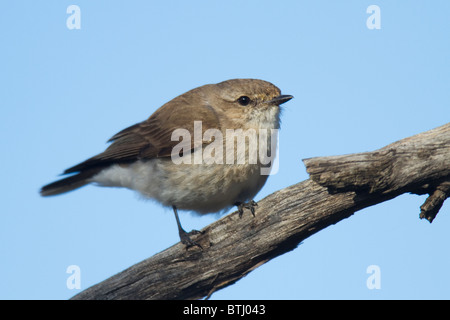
column 280, row 99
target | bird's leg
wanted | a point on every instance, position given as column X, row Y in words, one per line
column 248, row 205
column 185, row 236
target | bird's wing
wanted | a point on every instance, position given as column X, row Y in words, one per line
column 152, row 137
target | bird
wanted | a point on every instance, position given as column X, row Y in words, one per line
column 184, row 155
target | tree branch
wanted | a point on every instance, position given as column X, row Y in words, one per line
column 338, row 187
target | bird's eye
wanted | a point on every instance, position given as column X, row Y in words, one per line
column 244, row 100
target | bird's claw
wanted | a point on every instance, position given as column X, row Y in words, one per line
column 247, row 205
column 185, row 238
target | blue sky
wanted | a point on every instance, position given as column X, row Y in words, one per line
column 64, row 93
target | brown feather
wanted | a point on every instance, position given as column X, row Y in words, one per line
column 152, row 137
column 68, row 184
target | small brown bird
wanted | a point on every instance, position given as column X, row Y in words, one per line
column 203, row 171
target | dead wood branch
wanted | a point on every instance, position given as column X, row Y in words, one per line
column 339, row 186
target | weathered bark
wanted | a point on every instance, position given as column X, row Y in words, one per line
column 339, row 186
column 418, row 164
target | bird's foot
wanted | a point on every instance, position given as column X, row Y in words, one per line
column 247, row 205
column 185, row 238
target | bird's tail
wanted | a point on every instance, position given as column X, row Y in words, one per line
column 68, row 184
